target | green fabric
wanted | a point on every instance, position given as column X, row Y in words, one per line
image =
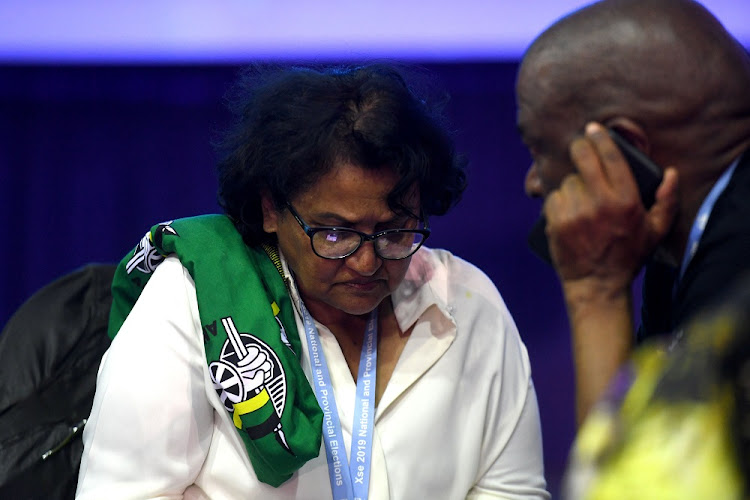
column 280, row 421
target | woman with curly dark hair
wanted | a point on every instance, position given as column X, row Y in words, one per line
column 306, row 344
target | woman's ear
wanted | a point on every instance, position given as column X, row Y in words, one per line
column 270, row 214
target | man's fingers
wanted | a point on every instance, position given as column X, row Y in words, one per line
column 661, row 215
column 614, row 166
column 588, row 165
column 567, row 201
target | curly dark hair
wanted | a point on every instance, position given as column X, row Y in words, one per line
column 292, row 125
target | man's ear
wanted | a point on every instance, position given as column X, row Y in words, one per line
column 631, row 131
column 270, row 214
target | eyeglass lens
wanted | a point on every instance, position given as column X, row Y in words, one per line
column 338, row 243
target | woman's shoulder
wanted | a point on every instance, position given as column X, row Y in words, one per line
column 453, row 268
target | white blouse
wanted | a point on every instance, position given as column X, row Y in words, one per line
column 458, row 419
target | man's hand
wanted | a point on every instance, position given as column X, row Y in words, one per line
column 597, row 227
column 600, row 234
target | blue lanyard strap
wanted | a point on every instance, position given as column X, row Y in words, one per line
column 699, row 224
column 350, row 478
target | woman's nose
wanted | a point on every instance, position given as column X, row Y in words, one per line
column 365, row 261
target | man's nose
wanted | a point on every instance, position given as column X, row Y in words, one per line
column 533, row 183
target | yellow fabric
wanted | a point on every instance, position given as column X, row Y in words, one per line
column 249, row 406
column 666, row 433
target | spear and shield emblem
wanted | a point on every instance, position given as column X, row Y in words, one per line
column 248, row 378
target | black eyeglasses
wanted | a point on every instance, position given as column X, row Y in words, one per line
column 330, row 242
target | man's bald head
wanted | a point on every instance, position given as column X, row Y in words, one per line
column 667, row 64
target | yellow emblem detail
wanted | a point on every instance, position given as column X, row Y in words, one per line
column 249, row 406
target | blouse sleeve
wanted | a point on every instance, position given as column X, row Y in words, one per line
column 512, row 450
column 518, row 471
column 151, row 423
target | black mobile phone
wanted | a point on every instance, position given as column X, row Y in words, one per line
column 647, row 176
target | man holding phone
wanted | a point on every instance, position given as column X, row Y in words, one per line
column 668, row 78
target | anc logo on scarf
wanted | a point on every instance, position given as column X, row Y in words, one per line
column 250, row 336
column 249, row 379
column 146, row 256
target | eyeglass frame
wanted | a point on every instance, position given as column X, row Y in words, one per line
column 363, row 237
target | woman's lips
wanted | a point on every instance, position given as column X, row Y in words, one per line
column 364, row 286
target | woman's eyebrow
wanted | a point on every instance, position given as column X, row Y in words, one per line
column 330, row 219
column 340, row 220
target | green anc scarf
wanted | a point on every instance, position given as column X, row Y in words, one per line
column 249, row 332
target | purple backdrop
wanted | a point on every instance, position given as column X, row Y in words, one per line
column 92, row 156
